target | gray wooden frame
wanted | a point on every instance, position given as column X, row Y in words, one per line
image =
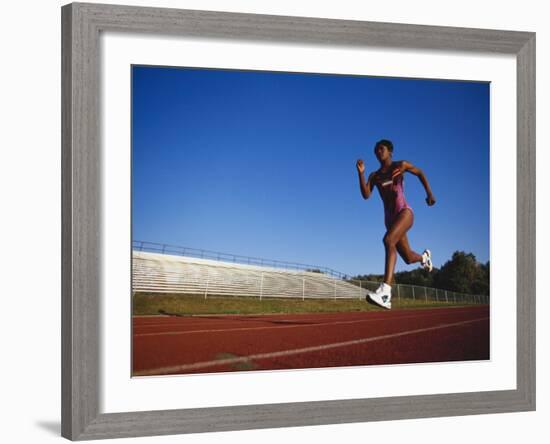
column 81, row 231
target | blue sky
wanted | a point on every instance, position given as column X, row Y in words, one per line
column 263, row 164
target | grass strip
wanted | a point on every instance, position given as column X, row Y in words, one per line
column 186, row 305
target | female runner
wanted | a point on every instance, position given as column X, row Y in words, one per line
column 398, row 215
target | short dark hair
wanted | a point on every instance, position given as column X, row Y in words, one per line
column 387, row 143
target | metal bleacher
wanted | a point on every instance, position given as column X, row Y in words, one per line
column 175, row 274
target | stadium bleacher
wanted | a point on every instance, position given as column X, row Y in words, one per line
column 174, row 274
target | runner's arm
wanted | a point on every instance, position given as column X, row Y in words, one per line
column 407, row 166
column 366, row 186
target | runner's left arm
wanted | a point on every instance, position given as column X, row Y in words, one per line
column 407, row 166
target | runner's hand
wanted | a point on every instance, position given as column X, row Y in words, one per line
column 360, row 166
column 430, row 200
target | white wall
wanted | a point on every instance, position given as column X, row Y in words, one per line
column 30, row 219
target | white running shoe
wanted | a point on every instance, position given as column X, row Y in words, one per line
column 427, row 260
column 382, row 296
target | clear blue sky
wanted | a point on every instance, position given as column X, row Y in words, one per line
column 263, row 164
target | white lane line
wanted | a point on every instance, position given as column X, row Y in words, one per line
column 229, row 330
column 176, row 323
column 222, row 315
column 230, row 361
column 279, row 327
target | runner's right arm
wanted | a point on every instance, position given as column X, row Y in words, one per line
column 365, row 187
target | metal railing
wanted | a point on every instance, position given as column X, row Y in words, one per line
column 154, row 247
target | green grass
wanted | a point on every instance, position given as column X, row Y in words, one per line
column 185, row 305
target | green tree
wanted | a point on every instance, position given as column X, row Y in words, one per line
column 463, row 274
column 481, row 284
column 418, row 276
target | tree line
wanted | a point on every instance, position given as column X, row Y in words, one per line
column 462, row 273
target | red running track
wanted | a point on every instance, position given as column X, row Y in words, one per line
column 164, row 345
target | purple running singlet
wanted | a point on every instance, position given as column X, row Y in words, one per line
column 390, row 187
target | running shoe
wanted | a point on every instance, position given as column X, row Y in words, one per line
column 427, row 260
column 382, row 296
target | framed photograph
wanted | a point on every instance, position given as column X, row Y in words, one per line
column 278, row 221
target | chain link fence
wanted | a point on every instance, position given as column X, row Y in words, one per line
column 420, row 293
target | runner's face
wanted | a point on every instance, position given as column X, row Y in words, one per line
column 382, row 153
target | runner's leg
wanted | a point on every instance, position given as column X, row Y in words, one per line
column 402, row 223
column 404, row 250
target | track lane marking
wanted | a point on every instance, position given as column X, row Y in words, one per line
column 271, row 327
column 230, row 361
column 215, row 320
